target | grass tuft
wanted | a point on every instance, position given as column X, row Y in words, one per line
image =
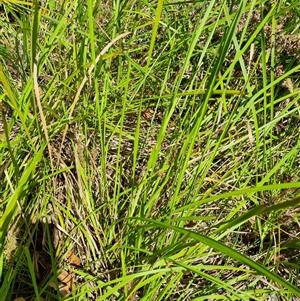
column 149, row 150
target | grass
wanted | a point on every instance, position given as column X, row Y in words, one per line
column 157, row 142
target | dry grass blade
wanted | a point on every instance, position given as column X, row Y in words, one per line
column 40, row 107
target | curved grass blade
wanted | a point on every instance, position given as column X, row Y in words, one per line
column 257, row 210
column 227, row 251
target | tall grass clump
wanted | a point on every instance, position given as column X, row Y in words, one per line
column 149, row 150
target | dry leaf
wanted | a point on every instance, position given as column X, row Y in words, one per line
column 66, row 278
column 66, row 283
column 73, row 259
column 64, row 290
